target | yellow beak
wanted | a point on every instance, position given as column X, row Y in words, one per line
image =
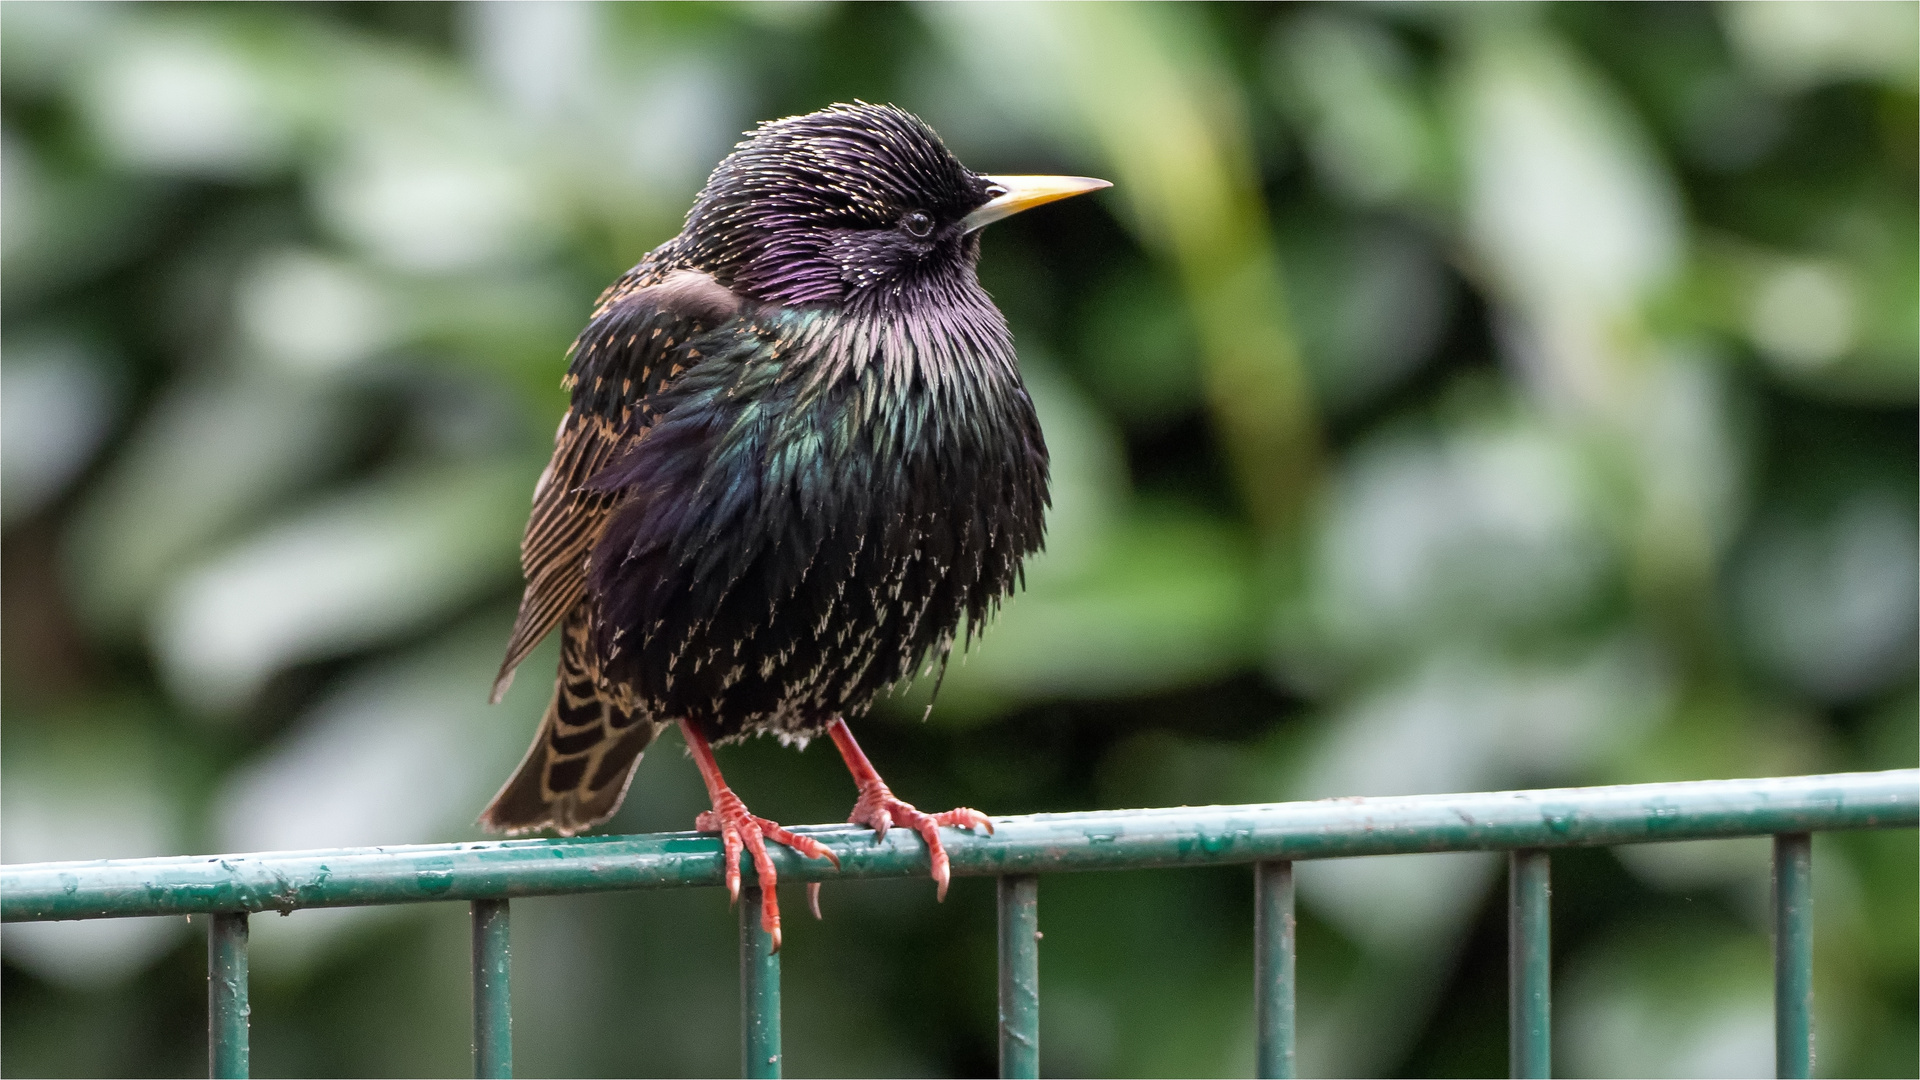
column 1026, row 192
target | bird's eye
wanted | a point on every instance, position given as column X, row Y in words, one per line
column 917, row 224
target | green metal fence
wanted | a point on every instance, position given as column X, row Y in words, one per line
column 1272, row 836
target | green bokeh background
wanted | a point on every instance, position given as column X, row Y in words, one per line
column 1444, row 398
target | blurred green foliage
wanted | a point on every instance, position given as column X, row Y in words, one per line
column 1445, row 398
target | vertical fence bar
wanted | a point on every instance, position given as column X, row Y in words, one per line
column 1529, row 964
column 1793, row 954
column 759, row 992
column 492, row 990
column 1273, row 967
column 1020, row 975
column 227, row 1008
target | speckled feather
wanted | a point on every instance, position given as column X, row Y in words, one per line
column 799, row 457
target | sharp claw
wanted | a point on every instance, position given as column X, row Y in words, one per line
column 878, row 809
column 937, row 854
column 770, row 908
column 741, row 832
column 754, row 838
column 730, row 843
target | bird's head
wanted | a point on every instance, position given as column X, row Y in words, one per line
column 851, row 204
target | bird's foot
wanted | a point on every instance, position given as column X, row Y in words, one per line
column 878, row 808
column 740, row 830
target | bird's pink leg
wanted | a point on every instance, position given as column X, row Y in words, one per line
column 739, row 830
column 878, row 808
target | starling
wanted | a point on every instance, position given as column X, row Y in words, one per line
column 799, row 454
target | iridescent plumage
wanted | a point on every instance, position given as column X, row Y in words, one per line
column 799, row 458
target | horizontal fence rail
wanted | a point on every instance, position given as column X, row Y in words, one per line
column 1527, row 824
column 1050, row 843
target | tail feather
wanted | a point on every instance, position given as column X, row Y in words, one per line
column 576, row 773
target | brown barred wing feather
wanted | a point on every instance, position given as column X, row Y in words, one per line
column 635, row 343
column 576, row 772
column 565, row 523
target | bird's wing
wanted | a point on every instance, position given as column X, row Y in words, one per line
column 635, row 343
column 576, row 773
